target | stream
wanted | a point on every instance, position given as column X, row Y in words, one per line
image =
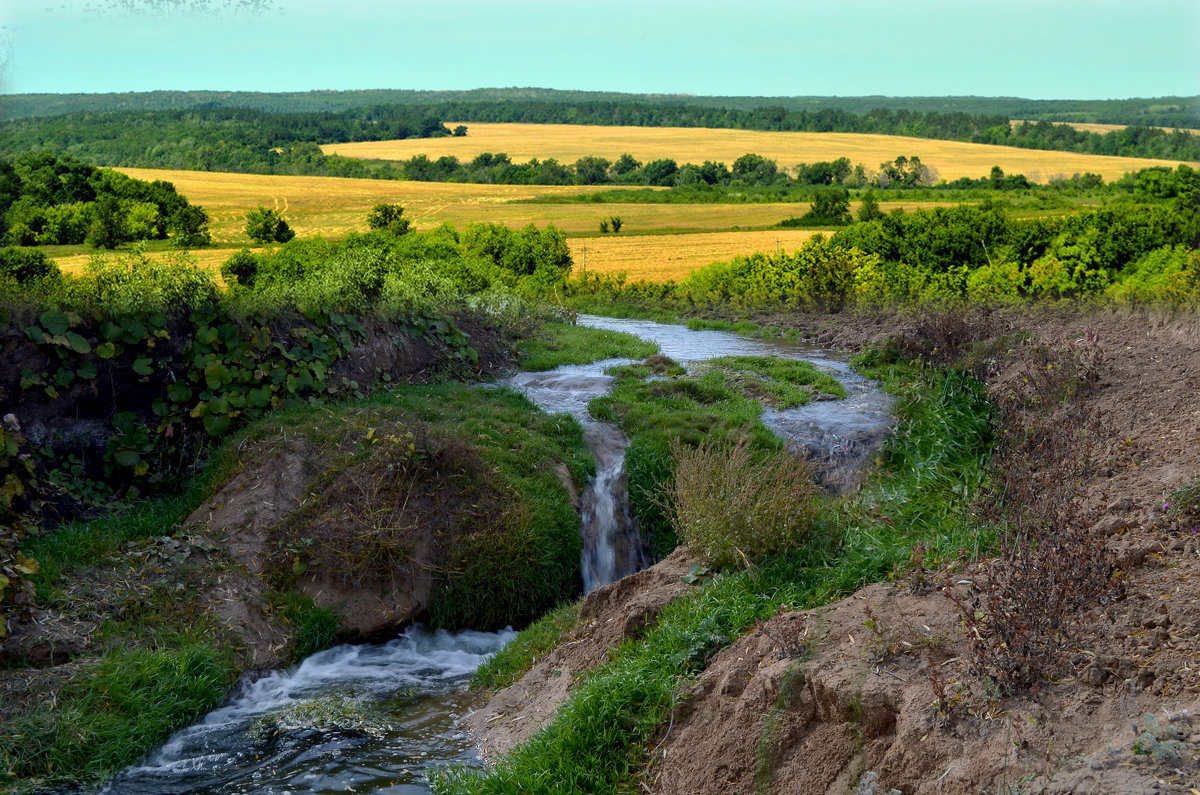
column 380, row 718
column 836, row 436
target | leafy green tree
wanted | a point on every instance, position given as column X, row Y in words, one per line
column 624, row 165
column 264, row 225
column 190, row 225
column 390, row 218
column 752, row 169
column 604, row 227
column 616, row 223
column 460, row 131
column 869, row 209
column 591, row 170
column 108, row 227
column 831, row 205
column 660, row 173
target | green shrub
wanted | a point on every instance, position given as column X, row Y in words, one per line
column 1167, row 275
column 734, row 506
column 995, row 284
column 134, row 284
column 264, row 225
column 241, row 268
column 24, row 266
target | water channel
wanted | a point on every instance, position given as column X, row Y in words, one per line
column 379, row 718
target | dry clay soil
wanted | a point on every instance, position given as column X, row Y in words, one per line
column 854, row 712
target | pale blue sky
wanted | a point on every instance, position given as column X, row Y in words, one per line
column 1085, row 49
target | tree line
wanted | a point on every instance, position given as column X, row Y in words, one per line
column 51, row 199
column 216, row 139
column 254, row 141
column 1183, row 112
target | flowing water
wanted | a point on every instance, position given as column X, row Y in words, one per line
column 837, row 436
column 370, row 718
column 379, row 718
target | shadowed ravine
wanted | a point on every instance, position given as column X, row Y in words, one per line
column 378, row 718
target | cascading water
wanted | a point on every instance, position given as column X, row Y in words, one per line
column 612, row 546
column 370, row 718
column 836, row 436
column 379, row 718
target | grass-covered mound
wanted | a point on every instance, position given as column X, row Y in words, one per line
column 471, row 484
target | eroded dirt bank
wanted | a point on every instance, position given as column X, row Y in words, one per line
column 876, row 692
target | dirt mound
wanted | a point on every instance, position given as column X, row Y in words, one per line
column 609, row 615
column 876, row 692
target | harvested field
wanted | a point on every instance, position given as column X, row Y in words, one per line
column 686, row 236
column 333, row 206
column 657, row 258
column 568, row 143
column 1103, row 128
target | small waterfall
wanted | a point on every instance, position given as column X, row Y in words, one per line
column 612, row 545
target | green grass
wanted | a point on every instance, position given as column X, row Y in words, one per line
column 932, row 469
column 314, row 628
column 113, row 711
column 562, row 343
column 511, row 662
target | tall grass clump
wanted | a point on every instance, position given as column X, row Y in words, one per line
column 734, row 506
column 108, row 716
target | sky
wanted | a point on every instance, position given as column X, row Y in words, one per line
column 1040, row 49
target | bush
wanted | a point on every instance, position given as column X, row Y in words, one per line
column 732, row 506
column 135, row 284
column 26, row 266
column 241, row 269
column 264, row 225
column 1169, row 275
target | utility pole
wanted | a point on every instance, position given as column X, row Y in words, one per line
column 584, row 259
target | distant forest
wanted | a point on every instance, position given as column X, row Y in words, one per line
column 250, row 140
column 1152, row 112
column 213, row 139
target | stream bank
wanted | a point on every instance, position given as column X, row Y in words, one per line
column 874, row 691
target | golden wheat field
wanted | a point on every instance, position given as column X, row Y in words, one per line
column 657, row 258
column 657, row 241
column 333, row 206
column 1105, row 128
column 567, row 143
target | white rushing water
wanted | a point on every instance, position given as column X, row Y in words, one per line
column 367, row 718
column 378, row 718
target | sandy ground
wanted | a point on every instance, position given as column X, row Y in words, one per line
column 842, row 698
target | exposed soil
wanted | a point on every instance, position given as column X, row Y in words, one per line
column 608, row 616
column 840, row 699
